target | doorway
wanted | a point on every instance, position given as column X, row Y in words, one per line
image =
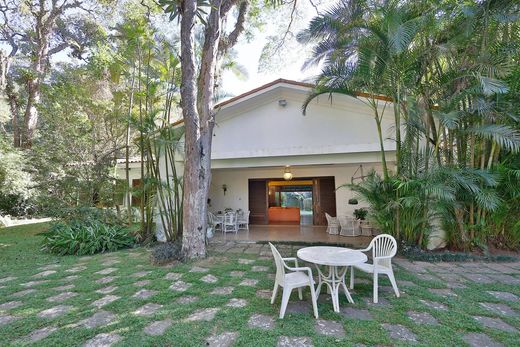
column 301, row 201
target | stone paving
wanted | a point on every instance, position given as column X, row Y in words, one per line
column 167, row 301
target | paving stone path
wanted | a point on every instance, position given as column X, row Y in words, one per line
column 421, row 317
column 144, row 294
column 205, row 314
column 225, row 339
column 480, row 340
column 10, row 305
column 40, row 334
column 288, row 341
column 148, row 309
column 495, row 323
column 188, row 299
column 61, row 297
column 180, row 286
column 237, row 303
column 55, row 311
column 329, row 328
column 103, row 340
column 222, row 291
column 261, row 321
column 158, row 328
column 101, row 318
column 209, row 279
column 399, row 332
column 106, row 290
column 107, row 299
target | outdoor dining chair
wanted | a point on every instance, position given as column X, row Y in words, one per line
column 384, row 248
column 332, row 224
column 298, row 277
column 216, row 222
column 243, row 220
column 230, row 222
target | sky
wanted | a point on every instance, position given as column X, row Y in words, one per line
column 288, row 64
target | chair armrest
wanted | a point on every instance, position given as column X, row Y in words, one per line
column 291, row 259
column 302, row 269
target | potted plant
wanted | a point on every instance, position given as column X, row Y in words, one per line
column 353, row 201
column 360, row 213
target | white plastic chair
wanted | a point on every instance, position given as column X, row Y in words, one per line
column 349, row 226
column 213, row 220
column 298, row 277
column 230, row 222
column 332, row 224
column 384, row 248
column 243, row 221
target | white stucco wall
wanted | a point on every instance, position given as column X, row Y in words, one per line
column 260, row 127
column 237, row 180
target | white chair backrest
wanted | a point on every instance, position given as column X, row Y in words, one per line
column 246, row 216
column 280, row 269
column 331, row 221
column 229, row 218
column 383, row 245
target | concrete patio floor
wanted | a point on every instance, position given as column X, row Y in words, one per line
column 293, row 233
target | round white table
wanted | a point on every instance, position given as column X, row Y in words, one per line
column 337, row 259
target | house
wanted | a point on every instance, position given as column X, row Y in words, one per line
column 263, row 134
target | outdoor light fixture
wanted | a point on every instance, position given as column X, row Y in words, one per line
column 282, row 102
column 287, row 174
column 224, row 188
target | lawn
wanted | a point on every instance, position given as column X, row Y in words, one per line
column 223, row 300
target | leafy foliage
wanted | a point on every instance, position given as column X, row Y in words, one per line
column 78, row 237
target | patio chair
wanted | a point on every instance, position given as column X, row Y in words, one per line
column 349, row 226
column 230, row 222
column 332, row 224
column 384, row 248
column 243, row 221
column 216, row 222
column 298, row 277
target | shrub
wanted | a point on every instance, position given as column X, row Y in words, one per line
column 360, row 213
column 81, row 238
column 166, row 252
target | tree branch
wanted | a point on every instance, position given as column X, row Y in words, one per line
column 226, row 42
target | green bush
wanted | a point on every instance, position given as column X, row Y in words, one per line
column 86, row 237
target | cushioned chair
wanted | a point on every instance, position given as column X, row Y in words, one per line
column 298, row 277
column 384, row 248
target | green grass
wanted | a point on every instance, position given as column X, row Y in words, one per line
column 20, row 257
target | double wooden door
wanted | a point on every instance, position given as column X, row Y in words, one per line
column 323, row 200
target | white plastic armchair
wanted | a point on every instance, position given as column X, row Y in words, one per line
column 230, row 222
column 332, row 224
column 298, row 277
column 384, row 248
column 243, row 221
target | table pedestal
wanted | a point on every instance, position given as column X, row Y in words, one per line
column 334, row 280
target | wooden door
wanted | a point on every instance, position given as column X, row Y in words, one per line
column 258, row 201
column 323, row 199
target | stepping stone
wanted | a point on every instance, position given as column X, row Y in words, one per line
column 110, row 262
column 355, row 313
column 24, row 292
column 106, row 290
column 55, row 311
column 33, row 283
column 142, row 283
column 264, row 293
column 103, row 340
column 500, row 309
column 6, row 319
column 209, row 279
column 187, row 299
column 222, row 291
column 427, row 277
column 261, row 321
column 205, row 314
column 237, row 273
column 174, row 276
column 422, row 317
column 40, row 334
column 505, row 279
column 106, row 271
column 457, row 285
column 61, row 297
column 71, row 277
column 368, row 300
column 237, row 303
column 144, row 294
column 480, row 340
column 258, row 268
column 107, row 299
column 434, row 305
column 141, row 274
column 478, row 278
column 180, row 286
column 7, row 279
column 98, row 319
column 225, row 339
column 44, row 274
column 329, row 328
column 10, row 305
column 287, row 341
column 495, row 323
column 147, row 310
column 399, row 332
column 504, row 295
column 245, row 261
column 299, row 307
column 445, row 293
column 248, row 282
column 199, row 269
column 76, row 269
column 105, row 280
column 158, row 328
column 66, row 287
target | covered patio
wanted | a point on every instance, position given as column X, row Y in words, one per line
column 291, row 233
